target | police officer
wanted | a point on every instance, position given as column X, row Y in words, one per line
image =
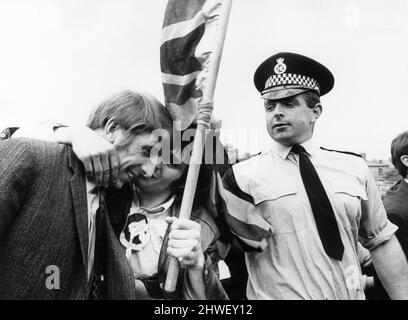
column 304, row 208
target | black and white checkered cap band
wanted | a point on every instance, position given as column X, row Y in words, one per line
column 291, row 79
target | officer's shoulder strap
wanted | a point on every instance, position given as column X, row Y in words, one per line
column 345, row 152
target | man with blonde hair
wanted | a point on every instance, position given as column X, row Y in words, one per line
column 53, row 218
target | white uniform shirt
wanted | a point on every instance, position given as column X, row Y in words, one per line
column 293, row 264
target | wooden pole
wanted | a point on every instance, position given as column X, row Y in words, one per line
column 203, row 123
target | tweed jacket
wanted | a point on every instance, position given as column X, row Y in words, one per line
column 44, row 226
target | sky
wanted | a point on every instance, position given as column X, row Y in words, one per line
column 60, row 58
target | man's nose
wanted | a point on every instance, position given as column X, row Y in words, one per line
column 278, row 111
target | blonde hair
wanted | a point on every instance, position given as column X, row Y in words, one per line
column 133, row 111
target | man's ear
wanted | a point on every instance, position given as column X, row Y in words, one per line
column 317, row 110
column 111, row 130
column 404, row 160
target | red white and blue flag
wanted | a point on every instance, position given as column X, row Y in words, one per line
column 188, row 38
column 240, row 213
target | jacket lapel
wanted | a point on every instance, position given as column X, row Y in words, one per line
column 121, row 280
column 118, row 203
column 80, row 204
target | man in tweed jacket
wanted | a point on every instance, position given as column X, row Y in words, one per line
column 45, row 215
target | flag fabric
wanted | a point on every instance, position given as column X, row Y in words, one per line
column 188, row 36
column 231, row 206
column 239, row 212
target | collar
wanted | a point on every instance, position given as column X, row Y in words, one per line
column 283, row 151
column 161, row 208
column 90, row 187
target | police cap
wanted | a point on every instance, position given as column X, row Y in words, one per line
column 287, row 74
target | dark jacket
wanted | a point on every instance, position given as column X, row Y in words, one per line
column 396, row 205
column 44, row 222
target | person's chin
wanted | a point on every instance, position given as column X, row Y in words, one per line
column 145, row 182
column 283, row 138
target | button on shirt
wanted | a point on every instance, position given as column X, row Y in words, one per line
column 293, row 264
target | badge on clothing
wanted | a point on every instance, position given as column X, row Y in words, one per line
column 136, row 233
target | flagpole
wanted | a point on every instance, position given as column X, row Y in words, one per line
column 203, row 123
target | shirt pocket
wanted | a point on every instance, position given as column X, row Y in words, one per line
column 348, row 195
column 279, row 205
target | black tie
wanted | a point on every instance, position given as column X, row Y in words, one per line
column 98, row 285
column 321, row 207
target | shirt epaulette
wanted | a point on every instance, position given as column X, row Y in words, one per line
column 345, row 152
